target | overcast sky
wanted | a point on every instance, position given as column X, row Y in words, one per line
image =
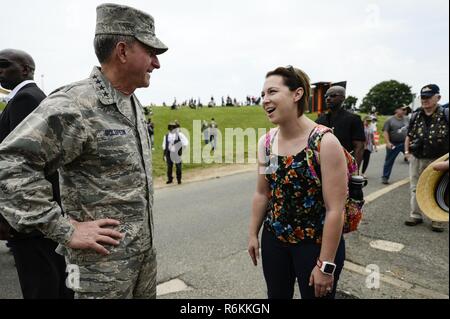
column 226, row 47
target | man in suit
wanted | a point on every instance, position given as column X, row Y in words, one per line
column 41, row 270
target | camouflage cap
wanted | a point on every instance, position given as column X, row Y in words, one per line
column 124, row 20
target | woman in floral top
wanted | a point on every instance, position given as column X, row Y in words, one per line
column 302, row 233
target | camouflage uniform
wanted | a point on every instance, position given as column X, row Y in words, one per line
column 98, row 140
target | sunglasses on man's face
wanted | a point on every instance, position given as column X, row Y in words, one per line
column 425, row 97
column 332, row 95
column 5, row 64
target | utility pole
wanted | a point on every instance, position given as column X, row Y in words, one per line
column 42, row 82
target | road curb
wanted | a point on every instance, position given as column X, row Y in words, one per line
column 213, row 174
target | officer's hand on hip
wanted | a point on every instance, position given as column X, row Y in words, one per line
column 89, row 235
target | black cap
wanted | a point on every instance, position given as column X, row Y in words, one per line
column 430, row 90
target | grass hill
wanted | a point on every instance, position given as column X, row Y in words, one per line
column 252, row 117
column 228, row 117
column 248, row 117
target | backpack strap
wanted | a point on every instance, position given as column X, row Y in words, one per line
column 267, row 144
column 316, row 137
column 269, row 141
column 313, row 149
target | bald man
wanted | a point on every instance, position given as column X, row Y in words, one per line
column 41, row 271
column 347, row 127
column 16, row 74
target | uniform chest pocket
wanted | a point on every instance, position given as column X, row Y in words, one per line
column 116, row 147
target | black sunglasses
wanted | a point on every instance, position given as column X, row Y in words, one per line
column 290, row 68
column 332, row 95
column 5, row 64
column 425, row 97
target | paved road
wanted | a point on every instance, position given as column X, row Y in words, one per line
column 201, row 231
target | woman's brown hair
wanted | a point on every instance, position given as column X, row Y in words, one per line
column 295, row 78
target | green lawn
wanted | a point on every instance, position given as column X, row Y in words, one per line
column 2, row 106
column 228, row 117
column 233, row 117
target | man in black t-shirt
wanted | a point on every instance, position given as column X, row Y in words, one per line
column 347, row 127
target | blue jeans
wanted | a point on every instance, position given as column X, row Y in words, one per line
column 391, row 155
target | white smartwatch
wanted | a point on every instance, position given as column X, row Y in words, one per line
column 326, row 267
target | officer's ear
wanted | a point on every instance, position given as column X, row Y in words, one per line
column 121, row 52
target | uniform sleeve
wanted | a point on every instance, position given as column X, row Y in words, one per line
column 49, row 138
column 358, row 130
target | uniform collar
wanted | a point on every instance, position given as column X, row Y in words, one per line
column 104, row 90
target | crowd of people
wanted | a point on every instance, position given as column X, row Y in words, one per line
column 225, row 102
column 76, row 171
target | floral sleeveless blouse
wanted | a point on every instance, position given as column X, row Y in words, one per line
column 296, row 209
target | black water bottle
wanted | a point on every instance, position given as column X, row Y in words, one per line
column 355, row 187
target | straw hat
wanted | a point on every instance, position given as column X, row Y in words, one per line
column 430, row 192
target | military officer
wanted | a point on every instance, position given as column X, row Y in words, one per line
column 94, row 133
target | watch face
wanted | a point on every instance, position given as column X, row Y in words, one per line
column 329, row 268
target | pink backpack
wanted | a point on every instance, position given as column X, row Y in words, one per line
column 353, row 206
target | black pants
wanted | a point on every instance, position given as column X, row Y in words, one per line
column 178, row 167
column 366, row 159
column 42, row 272
column 283, row 263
